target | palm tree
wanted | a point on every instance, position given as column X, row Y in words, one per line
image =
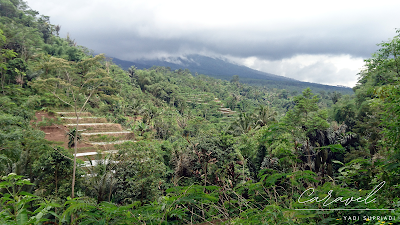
column 71, row 137
column 132, row 73
column 265, row 116
column 100, row 177
column 243, row 124
column 135, row 109
column 149, row 113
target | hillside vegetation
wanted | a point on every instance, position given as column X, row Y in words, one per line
column 191, row 149
column 224, row 69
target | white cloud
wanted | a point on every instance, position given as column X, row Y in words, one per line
column 324, row 69
column 308, row 40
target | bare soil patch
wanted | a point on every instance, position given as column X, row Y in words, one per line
column 85, row 120
column 40, row 115
column 56, row 133
column 98, row 127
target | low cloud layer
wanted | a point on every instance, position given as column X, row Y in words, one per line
column 324, row 69
column 274, row 34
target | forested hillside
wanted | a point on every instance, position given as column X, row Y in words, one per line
column 190, row 149
column 224, row 69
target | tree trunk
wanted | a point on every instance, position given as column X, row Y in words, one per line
column 309, row 156
column 56, row 179
column 109, row 194
column 75, row 152
column 134, row 125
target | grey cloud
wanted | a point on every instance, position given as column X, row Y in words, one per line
column 319, row 72
column 130, row 44
column 127, row 32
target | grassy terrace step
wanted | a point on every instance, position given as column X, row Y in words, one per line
column 87, row 149
column 95, row 153
column 66, row 114
column 110, row 143
column 108, row 136
column 92, row 155
column 84, row 120
column 107, row 146
column 97, row 127
column 224, row 111
column 95, row 162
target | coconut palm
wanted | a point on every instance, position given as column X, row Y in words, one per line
column 265, row 116
column 243, row 124
column 100, row 177
column 71, row 137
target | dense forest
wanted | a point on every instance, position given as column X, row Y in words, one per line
column 200, row 150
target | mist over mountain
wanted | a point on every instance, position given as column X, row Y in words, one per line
column 202, row 65
column 224, row 69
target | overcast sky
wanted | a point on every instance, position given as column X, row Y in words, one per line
column 315, row 41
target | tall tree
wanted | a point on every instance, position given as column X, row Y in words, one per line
column 235, row 79
column 74, row 83
column 5, row 55
column 265, row 115
column 306, row 118
column 243, row 124
column 385, row 64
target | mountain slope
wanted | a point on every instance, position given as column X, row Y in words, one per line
column 202, row 65
column 223, row 69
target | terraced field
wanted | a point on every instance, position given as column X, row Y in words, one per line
column 204, row 98
column 98, row 136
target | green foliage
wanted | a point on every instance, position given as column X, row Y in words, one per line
column 243, row 124
column 306, row 114
column 196, row 160
column 48, row 122
column 100, row 178
column 15, row 204
column 140, row 175
column 390, row 95
column 235, row 79
column 71, row 137
column 345, row 111
column 5, row 56
column 20, row 143
column 53, row 171
column 104, row 213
